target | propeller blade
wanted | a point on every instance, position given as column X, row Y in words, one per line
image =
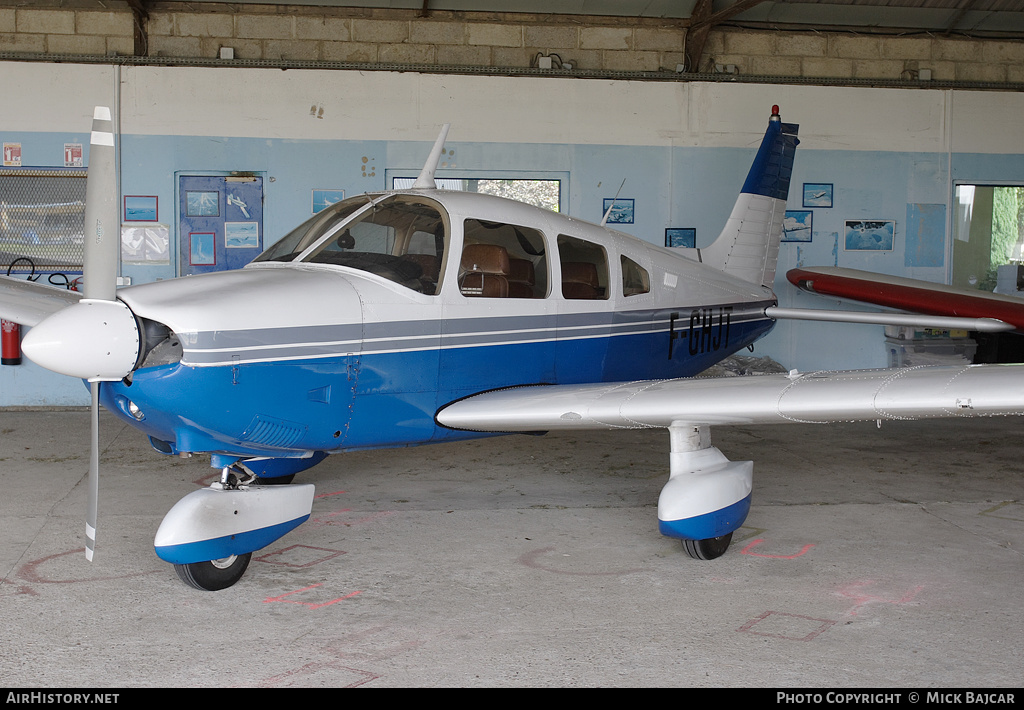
column 102, row 226
column 102, row 256
column 94, row 474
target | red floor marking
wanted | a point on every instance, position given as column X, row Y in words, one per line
column 851, row 591
column 531, row 559
column 328, row 495
column 366, row 646
column 330, row 556
column 823, row 625
column 30, row 571
column 309, row 605
column 747, row 551
column 363, row 677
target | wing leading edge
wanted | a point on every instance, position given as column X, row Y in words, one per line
column 818, row 397
column 28, row 303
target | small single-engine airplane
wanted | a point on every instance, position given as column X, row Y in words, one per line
column 424, row 315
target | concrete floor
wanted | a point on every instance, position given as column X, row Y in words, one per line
column 871, row 558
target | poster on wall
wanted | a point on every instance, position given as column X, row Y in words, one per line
column 817, row 194
column 322, row 199
column 202, row 203
column 146, row 244
column 869, row 234
column 621, row 210
column 796, row 226
column 201, row 249
column 681, row 237
column 241, row 235
column 73, row 155
column 141, row 208
column 12, row 155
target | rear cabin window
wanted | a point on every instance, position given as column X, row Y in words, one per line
column 584, row 269
column 502, row 260
column 635, row 279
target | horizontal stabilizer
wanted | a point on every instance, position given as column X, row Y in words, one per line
column 28, row 303
column 983, row 325
column 818, row 397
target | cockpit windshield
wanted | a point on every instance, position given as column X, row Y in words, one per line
column 306, row 234
column 401, row 238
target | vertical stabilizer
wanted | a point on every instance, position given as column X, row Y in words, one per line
column 748, row 246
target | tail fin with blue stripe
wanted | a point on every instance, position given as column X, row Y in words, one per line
column 748, row 246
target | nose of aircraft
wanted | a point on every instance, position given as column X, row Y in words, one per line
column 92, row 340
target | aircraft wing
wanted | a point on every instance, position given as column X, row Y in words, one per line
column 908, row 294
column 818, row 397
column 28, row 303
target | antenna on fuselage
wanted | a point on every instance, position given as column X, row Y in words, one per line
column 426, row 178
column 604, row 219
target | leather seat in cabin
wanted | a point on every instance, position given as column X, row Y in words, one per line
column 579, row 280
column 521, row 279
column 484, row 271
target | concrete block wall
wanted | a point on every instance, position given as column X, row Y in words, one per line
column 56, row 30
column 602, row 44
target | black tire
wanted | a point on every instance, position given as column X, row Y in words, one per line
column 214, row 575
column 709, row 549
column 276, row 481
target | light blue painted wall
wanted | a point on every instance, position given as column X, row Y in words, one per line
column 678, row 186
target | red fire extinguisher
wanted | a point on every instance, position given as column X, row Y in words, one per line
column 11, row 342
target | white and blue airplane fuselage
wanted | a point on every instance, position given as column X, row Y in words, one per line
column 298, row 357
column 369, row 325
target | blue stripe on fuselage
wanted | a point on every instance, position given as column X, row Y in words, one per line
column 389, row 398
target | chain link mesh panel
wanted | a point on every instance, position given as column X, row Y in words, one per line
column 42, row 216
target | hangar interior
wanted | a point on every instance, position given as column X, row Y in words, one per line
column 872, row 559
column 312, row 101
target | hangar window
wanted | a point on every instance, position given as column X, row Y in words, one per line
column 635, row 279
column 988, row 233
column 584, row 269
column 539, row 193
column 502, row 260
column 42, row 221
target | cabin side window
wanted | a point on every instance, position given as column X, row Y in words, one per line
column 635, row 279
column 584, row 269
column 502, row 260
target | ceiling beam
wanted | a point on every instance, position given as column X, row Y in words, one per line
column 140, row 20
column 702, row 21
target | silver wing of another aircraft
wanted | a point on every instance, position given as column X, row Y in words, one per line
column 28, row 303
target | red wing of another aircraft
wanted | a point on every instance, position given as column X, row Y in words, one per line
column 908, row 294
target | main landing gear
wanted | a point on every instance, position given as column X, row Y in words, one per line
column 710, row 549
column 707, row 496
